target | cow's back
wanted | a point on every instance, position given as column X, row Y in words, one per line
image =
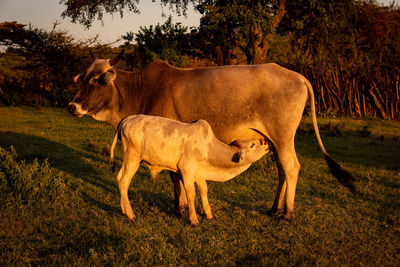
column 234, row 99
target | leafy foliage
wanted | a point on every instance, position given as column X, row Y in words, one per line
column 28, row 182
column 167, row 41
column 85, row 11
column 38, row 65
column 246, row 24
column 335, row 45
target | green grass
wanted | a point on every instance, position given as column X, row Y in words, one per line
column 76, row 220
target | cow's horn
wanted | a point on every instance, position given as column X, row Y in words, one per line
column 117, row 58
column 93, row 55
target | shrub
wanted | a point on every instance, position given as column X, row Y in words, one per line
column 26, row 183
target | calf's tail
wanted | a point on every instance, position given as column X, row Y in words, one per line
column 343, row 176
column 112, row 163
column 114, row 143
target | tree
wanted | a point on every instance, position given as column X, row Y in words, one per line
column 248, row 24
column 349, row 50
column 38, row 64
column 167, row 41
column 322, row 28
column 86, row 11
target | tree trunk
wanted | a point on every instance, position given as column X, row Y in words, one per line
column 223, row 56
column 219, row 55
column 261, row 43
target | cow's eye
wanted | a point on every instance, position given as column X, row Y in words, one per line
column 100, row 80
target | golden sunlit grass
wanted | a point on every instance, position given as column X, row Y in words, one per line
column 76, row 220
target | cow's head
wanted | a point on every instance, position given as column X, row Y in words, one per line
column 96, row 88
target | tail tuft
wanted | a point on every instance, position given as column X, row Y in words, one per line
column 343, row 176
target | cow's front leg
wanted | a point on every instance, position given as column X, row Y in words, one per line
column 180, row 202
column 203, row 189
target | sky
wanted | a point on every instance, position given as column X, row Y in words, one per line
column 43, row 13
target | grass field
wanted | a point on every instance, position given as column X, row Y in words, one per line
column 60, row 203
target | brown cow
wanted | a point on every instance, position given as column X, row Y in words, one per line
column 233, row 99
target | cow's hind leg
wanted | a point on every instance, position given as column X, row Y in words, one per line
column 277, row 207
column 180, row 202
column 128, row 170
column 288, row 175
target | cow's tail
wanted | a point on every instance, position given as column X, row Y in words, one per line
column 343, row 176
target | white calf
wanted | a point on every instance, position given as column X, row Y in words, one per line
column 190, row 149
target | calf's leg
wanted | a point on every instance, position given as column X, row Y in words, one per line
column 188, row 182
column 203, row 189
column 124, row 177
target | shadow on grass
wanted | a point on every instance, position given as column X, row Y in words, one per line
column 71, row 161
column 61, row 157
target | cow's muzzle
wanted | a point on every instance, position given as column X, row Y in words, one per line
column 73, row 110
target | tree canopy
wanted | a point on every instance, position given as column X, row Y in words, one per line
column 86, row 11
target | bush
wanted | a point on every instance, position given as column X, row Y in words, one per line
column 26, row 183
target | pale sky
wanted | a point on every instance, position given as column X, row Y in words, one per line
column 43, row 13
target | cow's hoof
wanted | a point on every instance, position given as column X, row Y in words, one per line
column 178, row 213
column 182, row 209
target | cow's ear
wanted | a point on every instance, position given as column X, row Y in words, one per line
column 76, row 78
column 108, row 77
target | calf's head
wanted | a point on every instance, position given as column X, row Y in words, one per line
column 96, row 88
column 250, row 150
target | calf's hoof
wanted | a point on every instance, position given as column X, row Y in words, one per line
column 274, row 212
column 209, row 217
column 131, row 216
column 286, row 218
column 194, row 224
